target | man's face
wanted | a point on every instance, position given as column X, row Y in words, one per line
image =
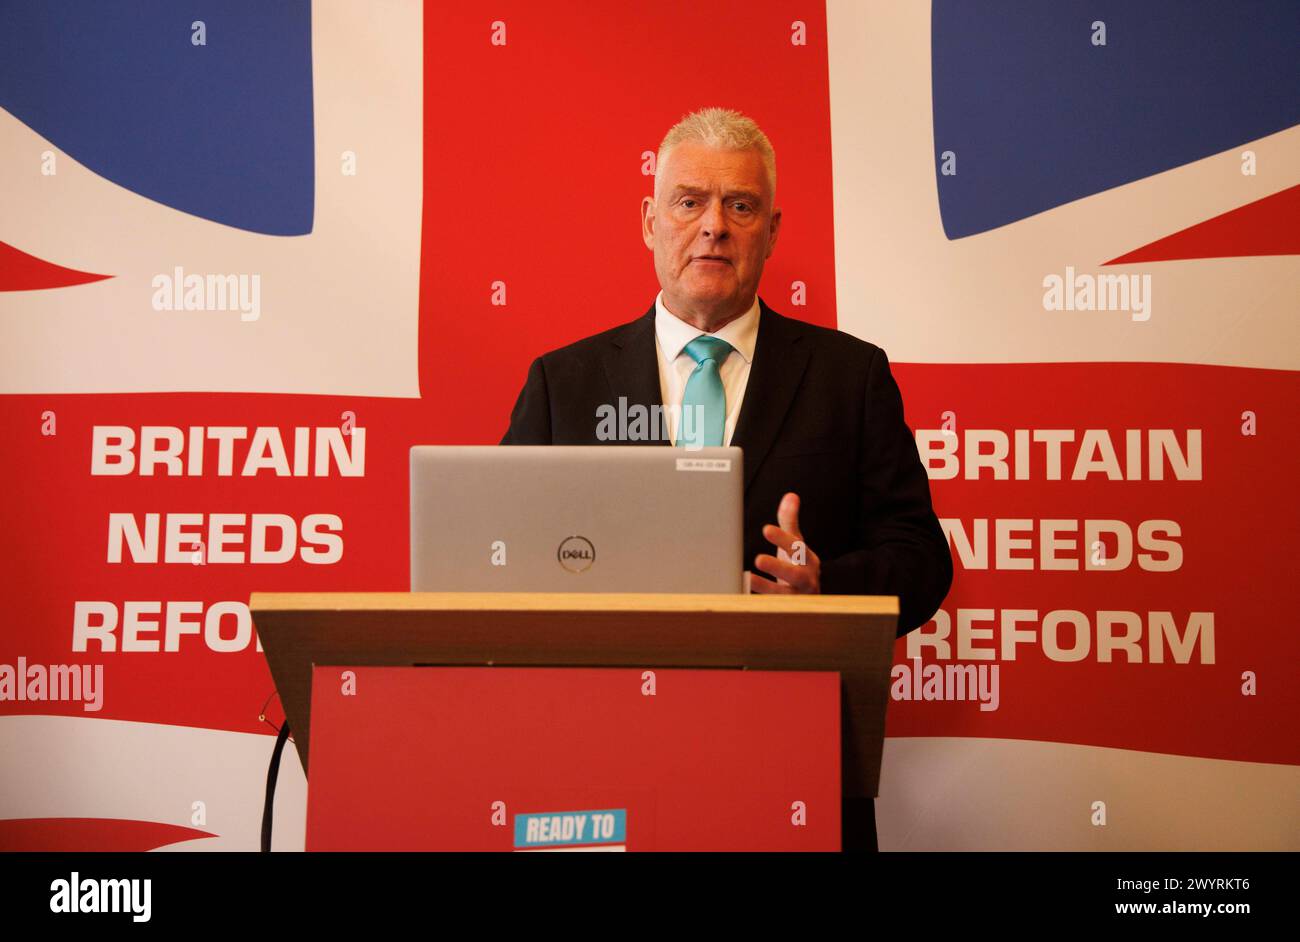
column 712, row 227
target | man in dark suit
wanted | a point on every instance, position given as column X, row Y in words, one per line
column 817, row 411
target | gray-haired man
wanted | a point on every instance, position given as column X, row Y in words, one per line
column 832, row 474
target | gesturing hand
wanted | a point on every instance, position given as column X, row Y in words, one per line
column 796, row 567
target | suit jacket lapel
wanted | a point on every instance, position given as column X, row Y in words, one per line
column 780, row 357
column 632, row 367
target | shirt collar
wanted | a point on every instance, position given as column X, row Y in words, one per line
column 674, row 333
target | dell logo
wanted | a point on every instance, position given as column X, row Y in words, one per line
column 576, row 553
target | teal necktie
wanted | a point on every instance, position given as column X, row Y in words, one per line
column 704, row 403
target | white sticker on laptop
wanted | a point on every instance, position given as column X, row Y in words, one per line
column 703, row 464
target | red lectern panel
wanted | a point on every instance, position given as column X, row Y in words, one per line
column 425, row 758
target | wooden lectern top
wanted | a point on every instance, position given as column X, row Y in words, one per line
column 572, row 602
column 853, row 635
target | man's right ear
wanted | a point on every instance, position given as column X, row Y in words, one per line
column 648, row 221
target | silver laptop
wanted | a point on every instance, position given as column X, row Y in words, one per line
column 552, row 518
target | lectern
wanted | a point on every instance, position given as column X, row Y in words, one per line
column 533, row 721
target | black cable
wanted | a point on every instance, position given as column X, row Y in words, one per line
column 272, row 773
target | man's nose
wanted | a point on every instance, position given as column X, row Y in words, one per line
column 714, row 223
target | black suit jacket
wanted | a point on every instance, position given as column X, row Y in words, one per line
column 822, row 416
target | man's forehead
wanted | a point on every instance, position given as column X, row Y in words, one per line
column 712, row 185
column 691, row 167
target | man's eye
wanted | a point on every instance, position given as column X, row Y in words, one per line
column 688, row 203
column 743, row 207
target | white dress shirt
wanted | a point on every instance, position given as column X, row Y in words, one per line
column 672, row 334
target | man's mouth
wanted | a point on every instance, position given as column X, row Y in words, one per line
column 716, row 259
